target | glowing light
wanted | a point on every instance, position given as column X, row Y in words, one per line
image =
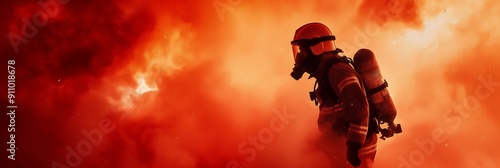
column 142, row 87
column 126, row 101
column 130, row 96
column 169, row 55
column 163, row 58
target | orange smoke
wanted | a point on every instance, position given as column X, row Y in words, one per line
column 206, row 84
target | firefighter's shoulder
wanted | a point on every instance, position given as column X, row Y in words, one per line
column 341, row 70
column 341, row 75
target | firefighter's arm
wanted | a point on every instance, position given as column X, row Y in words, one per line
column 344, row 81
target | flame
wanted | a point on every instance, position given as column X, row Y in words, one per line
column 189, row 79
column 166, row 56
column 130, row 97
column 142, row 86
column 169, row 54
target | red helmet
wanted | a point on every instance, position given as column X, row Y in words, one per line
column 316, row 39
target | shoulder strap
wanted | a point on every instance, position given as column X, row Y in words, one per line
column 343, row 59
column 325, row 82
column 373, row 123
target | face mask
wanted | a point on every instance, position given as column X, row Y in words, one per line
column 309, row 63
column 305, row 60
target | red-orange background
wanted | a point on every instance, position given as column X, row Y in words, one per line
column 216, row 76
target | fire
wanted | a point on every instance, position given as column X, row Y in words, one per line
column 169, row 53
column 166, row 56
column 204, row 86
column 131, row 97
column 142, row 86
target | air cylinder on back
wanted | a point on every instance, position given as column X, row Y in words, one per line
column 378, row 96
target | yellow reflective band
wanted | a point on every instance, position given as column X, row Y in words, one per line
column 368, row 149
column 358, row 129
column 347, row 81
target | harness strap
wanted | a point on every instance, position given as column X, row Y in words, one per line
column 324, row 83
column 328, row 91
column 377, row 89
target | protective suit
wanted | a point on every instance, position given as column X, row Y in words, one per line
column 344, row 109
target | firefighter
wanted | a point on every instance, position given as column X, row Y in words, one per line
column 344, row 108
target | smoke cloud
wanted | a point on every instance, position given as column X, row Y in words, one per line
column 195, row 84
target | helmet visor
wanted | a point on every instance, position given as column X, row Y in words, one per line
column 296, row 46
column 296, row 51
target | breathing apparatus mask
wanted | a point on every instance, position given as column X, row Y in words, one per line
column 305, row 60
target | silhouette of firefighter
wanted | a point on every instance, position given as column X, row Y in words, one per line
column 352, row 96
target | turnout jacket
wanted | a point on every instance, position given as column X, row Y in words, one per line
column 346, row 112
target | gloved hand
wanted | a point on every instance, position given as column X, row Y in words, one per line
column 352, row 153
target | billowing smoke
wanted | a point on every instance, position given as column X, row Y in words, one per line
column 206, row 84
